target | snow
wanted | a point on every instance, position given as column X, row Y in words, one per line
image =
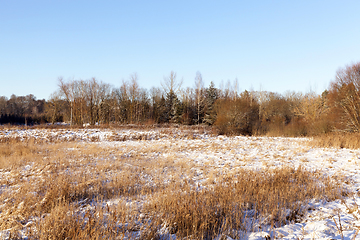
column 229, row 154
column 87, row 135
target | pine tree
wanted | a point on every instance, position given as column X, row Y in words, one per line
column 173, row 108
column 212, row 94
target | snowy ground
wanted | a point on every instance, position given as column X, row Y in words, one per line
column 227, row 154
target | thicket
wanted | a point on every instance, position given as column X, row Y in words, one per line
column 92, row 102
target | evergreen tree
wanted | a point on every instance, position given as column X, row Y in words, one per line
column 162, row 114
column 212, row 94
column 173, row 108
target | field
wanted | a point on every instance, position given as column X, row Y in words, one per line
column 174, row 183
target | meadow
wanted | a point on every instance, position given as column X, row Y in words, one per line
column 175, row 183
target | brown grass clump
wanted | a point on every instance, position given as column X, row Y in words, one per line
column 66, row 222
column 337, row 140
column 267, row 197
column 14, row 153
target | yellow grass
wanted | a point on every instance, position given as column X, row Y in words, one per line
column 337, row 140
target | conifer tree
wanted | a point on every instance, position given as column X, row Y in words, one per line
column 212, row 94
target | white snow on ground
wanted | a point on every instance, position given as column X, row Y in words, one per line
column 228, row 154
column 91, row 135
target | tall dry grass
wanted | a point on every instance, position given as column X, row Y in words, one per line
column 87, row 191
column 337, row 140
column 245, row 201
column 13, row 155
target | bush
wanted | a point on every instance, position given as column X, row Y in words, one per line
column 237, row 116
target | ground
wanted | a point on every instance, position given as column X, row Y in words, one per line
column 163, row 156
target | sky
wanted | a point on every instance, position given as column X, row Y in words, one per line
column 267, row 45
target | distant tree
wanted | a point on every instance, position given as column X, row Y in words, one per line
column 22, row 110
column 229, row 90
column 102, row 102
column 199, row 97
column 124, row 102
column 274, row 109
column 3, row 105
column 134, row 92
column 314, row 112
column 92, row 99
column 171, row 83
column 344, row 98
column 87, row 99
column 133, row 102
column 188, row 106
column 155, row 104
column 212, row 94
column 173, row 108
column 237, row 115
column 163, row 111
column 56, row 108
column 67, row 90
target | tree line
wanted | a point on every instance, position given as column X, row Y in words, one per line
column 93, row 102
column 22, row 110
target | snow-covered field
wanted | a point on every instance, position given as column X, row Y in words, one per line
column 211, row 154
column 87, row 135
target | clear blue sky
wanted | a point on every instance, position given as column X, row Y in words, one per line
column 269, row 45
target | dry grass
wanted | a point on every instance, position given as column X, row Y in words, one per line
column 275, row 197
column 88, row 191
column 11, row 155
column 337, row 140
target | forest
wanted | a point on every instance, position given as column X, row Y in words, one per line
column 229, row 111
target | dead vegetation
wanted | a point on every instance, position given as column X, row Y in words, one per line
column 89, row 191
column 245, row 202
column 337, row 140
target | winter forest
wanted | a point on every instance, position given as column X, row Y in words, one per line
column 230, row 111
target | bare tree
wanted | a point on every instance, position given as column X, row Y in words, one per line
column 171, row 84
column 92, row 88
column 134, row 95
column 187, row 98
column 157, row 104
column 54, row 107
column 81, row 110
column 97, row 94
column 237, row 116
column 67, row 90
column 344, row 97
column 199, row 95
column 104, row 102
